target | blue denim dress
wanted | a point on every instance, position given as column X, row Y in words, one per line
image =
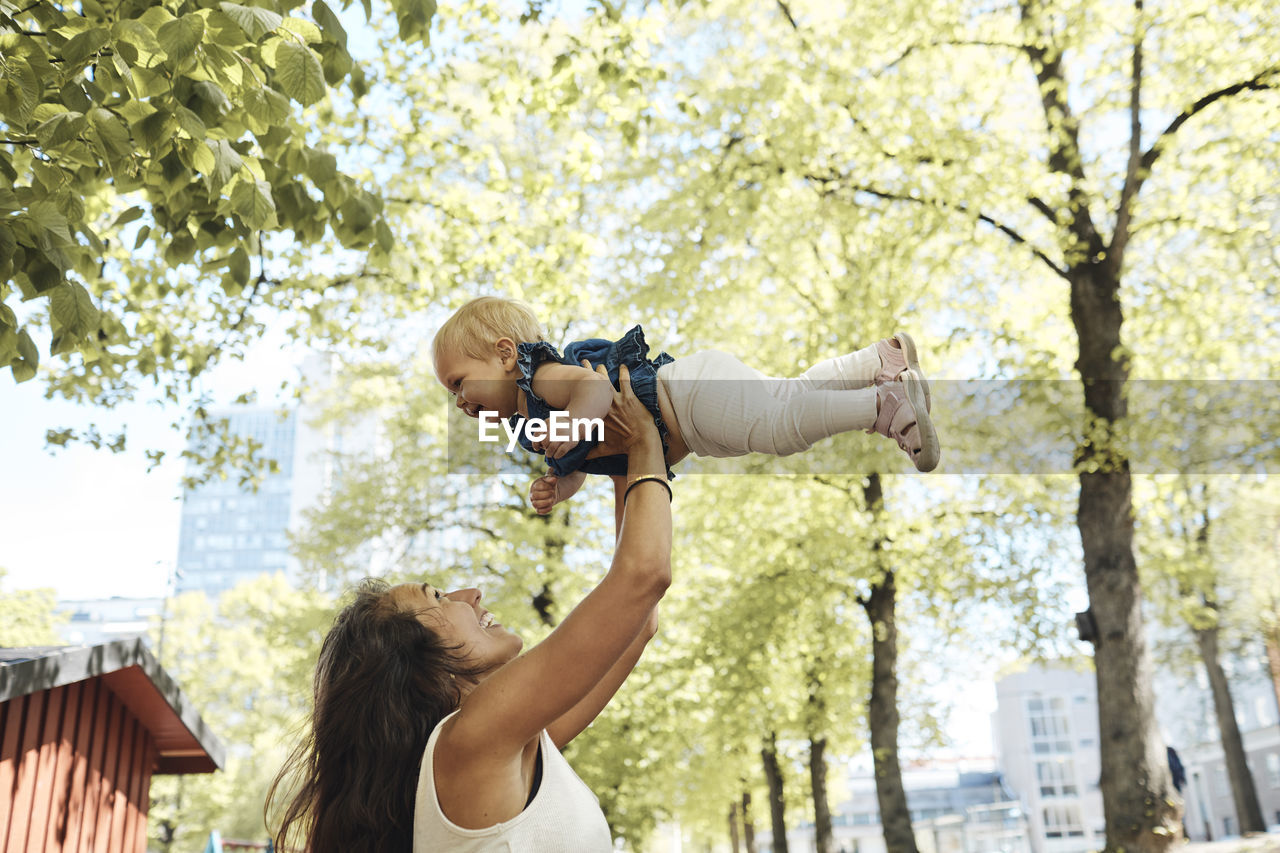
column 630, row 350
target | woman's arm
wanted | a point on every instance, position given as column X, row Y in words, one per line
column 577, row 718
column 509, row 708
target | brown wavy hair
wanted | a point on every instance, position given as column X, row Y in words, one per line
column 383, row 681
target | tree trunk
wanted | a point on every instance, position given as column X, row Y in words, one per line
column 777, row 805
column 735, row 842
column 821, row 810
column 882, row 711
column 748, row 826
column 1248, row 812
column 1271, row 636
column 1143, row 811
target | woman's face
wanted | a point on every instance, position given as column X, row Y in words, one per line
column 460, row 620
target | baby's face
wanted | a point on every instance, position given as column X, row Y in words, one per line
column 479, row 385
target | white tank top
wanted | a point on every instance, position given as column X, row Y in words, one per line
column 564, row 816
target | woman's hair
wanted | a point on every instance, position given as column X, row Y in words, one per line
column 476, row 326
column 383, row 681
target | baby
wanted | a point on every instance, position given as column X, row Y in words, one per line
column 493, row 357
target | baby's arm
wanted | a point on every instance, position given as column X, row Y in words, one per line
column 579, row 391
column 549, row 490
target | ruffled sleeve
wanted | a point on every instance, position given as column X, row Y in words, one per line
column 528, row 357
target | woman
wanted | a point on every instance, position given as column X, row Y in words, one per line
column 430, row 734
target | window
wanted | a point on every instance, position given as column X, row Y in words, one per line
column 1056, row 777
column 1062, row 821
column 1273, row 771
column 1220, row 787
column 1228, row 826
column 1050, row 732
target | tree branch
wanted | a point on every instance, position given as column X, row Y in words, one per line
column 787, row 12
column 946, row 205
column 1115, row 255
column 1064, row 144
column 1043, row 206
column 1142, row 171
column 469, row 220
column 945, row 43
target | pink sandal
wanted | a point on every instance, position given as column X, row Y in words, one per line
column 904, row 417
column 895, row 360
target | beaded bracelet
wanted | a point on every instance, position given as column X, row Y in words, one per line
column 645, row 478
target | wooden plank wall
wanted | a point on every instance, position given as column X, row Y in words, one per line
column 75, row 773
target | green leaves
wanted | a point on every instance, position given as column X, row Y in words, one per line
column 254, row 20
column 226, row 163
column 26, row 358
column 28, row 617
column 85, row 45
column 111, row 136
column 73, row 309
column 61, row 128
column 252, row 200
column 329, row 23
column 299, row 72
column 151, row 144
column 180, row 37
column 74, row 316
column 50, row 222
column 414, row 18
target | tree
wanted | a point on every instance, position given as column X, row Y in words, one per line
column 1249, row 540
column 152, row 159
column 777, row 793
column 28, row 617
column 1016, row 155
column 1196, row 574
column 246, row 663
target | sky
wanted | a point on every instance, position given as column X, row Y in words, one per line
column 90, row 523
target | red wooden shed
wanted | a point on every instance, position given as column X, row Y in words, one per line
column 82, row 730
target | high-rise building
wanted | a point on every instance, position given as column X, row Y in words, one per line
column 230, row 534
column 1046, row 736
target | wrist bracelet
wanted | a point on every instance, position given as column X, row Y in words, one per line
column 662, row 481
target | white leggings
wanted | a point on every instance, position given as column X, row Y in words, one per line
column 725, row 408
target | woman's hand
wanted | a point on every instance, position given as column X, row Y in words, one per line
column 628, row 422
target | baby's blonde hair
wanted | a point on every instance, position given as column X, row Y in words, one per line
column 477, row 326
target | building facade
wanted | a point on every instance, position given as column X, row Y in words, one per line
column 229, row 534
column 1189, row 723
column 91, row 621
column 1046, row 736
column 82, row 731
column 960, row 806
column 1210, row 807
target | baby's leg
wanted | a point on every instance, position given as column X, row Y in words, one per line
column 884, row 361
column 725, row 408
column 854, row 370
